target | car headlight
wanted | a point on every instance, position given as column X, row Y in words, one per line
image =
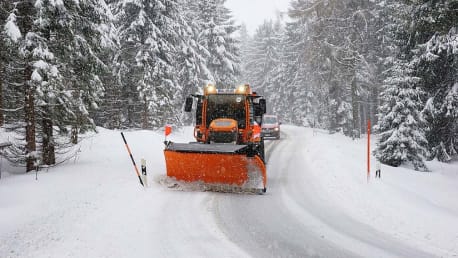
column 276, row 129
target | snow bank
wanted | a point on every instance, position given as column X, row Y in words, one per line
column 94, row 206
column 416, row 208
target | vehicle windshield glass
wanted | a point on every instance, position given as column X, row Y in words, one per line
column 226, row 106
column 269, row 120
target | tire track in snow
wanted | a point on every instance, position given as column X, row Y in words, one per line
column 290, row 221
column 263, row 226
column 186, row 227
column 334, row 224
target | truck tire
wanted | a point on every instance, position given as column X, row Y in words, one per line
column 261, row 150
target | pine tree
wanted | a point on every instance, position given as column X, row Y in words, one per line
column 276, row 89
column 422, row 33
column 87, row 45
column 46, row 79
column 331, row 41
column 25, row 11
column 149, row 35
column 264, row 65
column 191, row 64
column 72, row 34
column 5, row 6
column 110, row 113
column 246, row 43
column 12, row 80
column 401, row 139
column 218, row 40
column 401, row 126
column 58, row 41
column 436, row 62
column 379, row 48
column 263, row 58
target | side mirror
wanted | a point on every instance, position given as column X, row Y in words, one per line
column 188, row 104
column 262, row 105
column 199, row 113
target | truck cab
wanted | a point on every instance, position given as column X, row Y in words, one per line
column 227, row 116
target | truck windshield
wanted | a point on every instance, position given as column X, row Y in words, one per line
column 226, row 106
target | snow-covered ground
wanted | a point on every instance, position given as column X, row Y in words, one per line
column 318, row 203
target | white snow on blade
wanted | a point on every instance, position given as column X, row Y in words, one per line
column 254, row 176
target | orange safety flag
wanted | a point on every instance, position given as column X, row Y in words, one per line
column 168, row 130
column 256, row 131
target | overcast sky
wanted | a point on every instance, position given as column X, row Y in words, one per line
column 254, row 12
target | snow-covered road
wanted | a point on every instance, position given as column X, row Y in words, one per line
column 294, row 220
column 264, row 226
column 318, row 204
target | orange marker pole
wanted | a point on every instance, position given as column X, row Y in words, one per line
column 132, row 158
column 368, row 149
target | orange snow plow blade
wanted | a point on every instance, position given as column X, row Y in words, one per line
column 216, row 165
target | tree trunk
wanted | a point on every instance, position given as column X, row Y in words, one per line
column 1, row 96
column 145, row 113
column 49, row 156
column 363, row 116
column 26, row 12
column 375, row 103
column 355, row 108
column 74, row 134
column 29, row 110
column 331, row 94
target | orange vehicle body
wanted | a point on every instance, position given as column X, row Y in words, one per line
column 229, row 149
column 225, row 169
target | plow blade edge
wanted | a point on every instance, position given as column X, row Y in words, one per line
column 215, row 164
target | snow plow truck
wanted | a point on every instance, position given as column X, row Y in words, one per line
column 228, row 154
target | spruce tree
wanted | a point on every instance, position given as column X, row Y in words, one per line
column 436, row 62
column 149, row 37
column 59, row 40
column 401, row 138
column 26, row 13
column 191, row 63
column 401, row 127
column 263, row 58
column 5, row 6
column 110, row 112
column 12, row 81
column 217, row 38
column 13, row 90
column 246, row 43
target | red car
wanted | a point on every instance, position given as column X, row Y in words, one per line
column 270, row 127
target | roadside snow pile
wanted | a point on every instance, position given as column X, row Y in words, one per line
column 419, row 208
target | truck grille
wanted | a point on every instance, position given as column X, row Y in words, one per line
column 223, row 137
